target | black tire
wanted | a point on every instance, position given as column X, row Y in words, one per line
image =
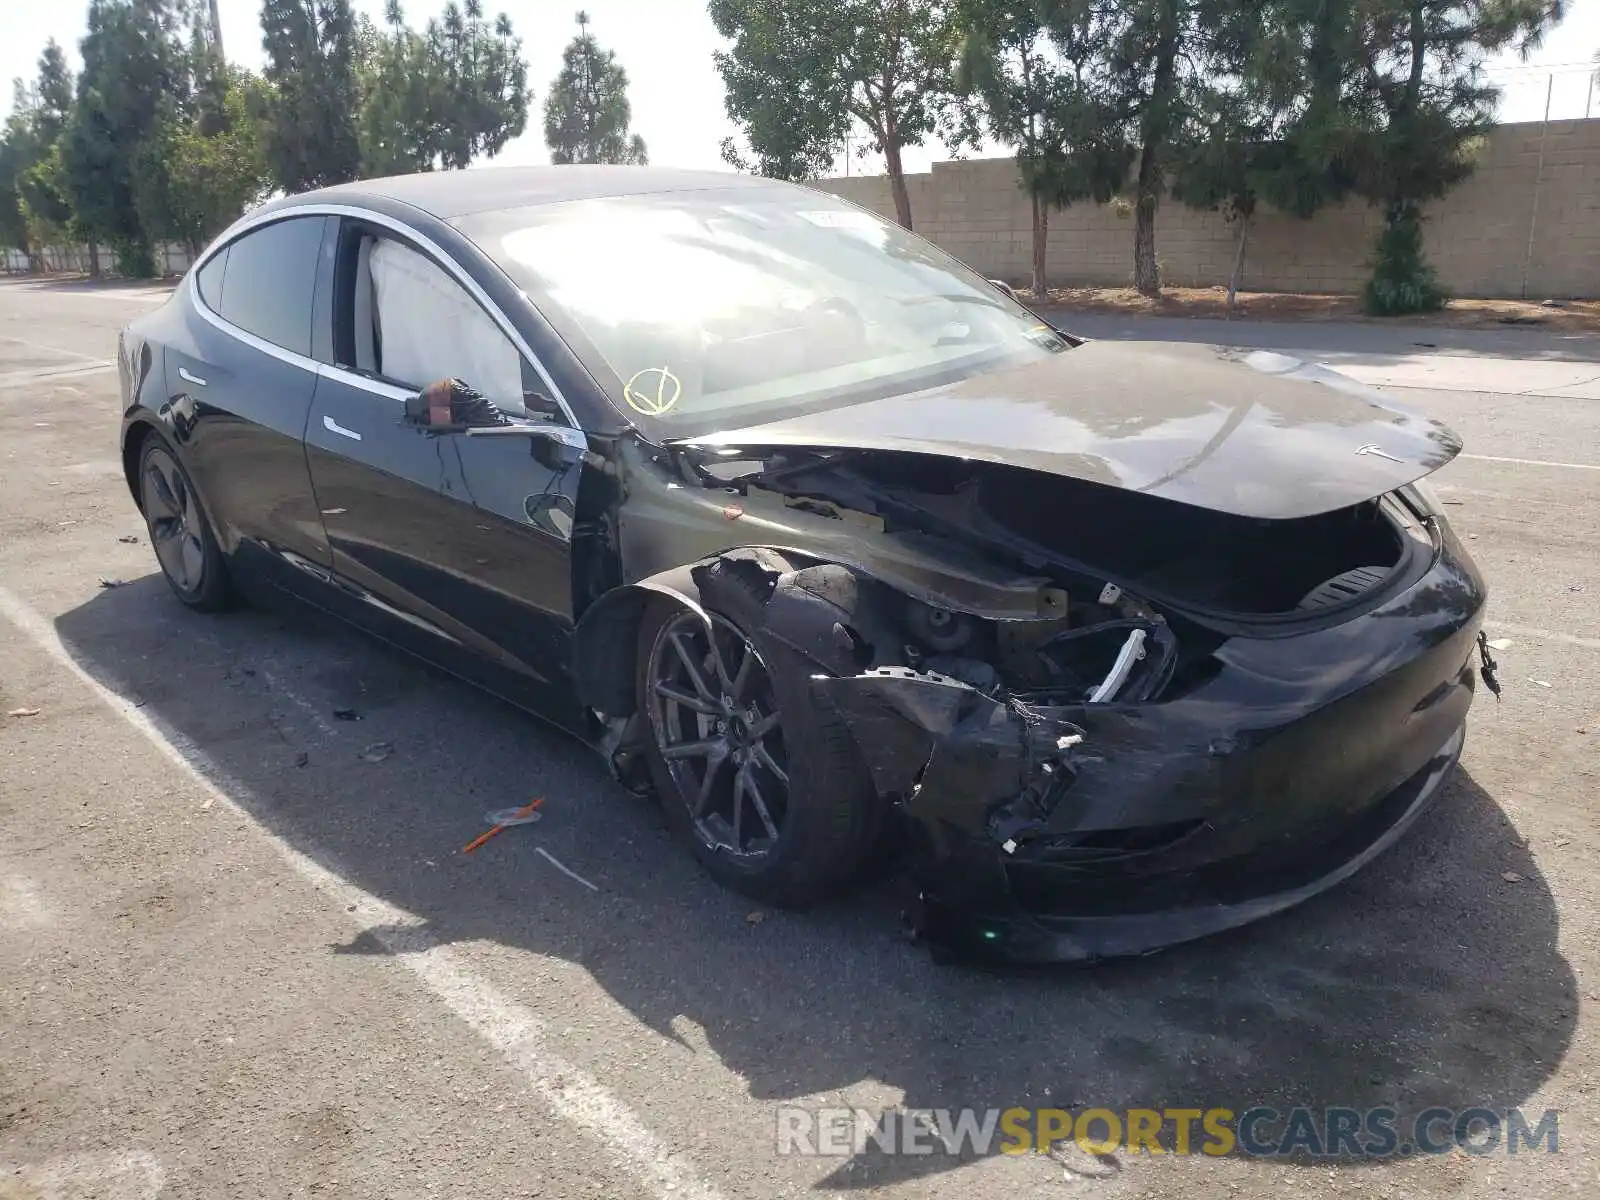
column 831, row 814
column 180, row 531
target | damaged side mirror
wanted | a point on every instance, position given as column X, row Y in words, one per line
column 450, row 406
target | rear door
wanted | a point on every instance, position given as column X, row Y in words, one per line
column 240, row 376
column 460, row 545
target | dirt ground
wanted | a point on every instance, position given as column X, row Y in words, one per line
column 1572, row 315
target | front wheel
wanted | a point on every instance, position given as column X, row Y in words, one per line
column 770, row 796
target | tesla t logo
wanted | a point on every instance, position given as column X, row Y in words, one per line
column 1376, row 452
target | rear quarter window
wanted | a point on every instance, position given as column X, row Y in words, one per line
column 209, row 280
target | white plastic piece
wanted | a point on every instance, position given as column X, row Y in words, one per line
column 1110, row 594
column 1009, row 845
column 510, row 816
column 1132, row 650
column 1068, row 740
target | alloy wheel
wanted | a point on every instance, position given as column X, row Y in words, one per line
column 717, row 727
column 173, row 519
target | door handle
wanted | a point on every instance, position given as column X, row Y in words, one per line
column 333, row 426
column 183, row 374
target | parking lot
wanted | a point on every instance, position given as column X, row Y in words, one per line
column 241, row 953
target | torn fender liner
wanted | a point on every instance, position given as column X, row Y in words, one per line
column 951, row 754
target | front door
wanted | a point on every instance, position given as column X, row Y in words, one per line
column 459, row 546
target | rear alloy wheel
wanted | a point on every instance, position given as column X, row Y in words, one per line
column 179, row 532
column 768, row 791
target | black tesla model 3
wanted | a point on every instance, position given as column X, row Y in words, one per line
column 827, row 540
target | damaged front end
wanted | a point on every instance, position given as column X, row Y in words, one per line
column 1089, row 762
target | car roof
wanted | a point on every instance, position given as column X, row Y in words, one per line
column 448, row 194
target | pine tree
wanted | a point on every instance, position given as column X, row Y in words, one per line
column 586, row 116
column 311, row 117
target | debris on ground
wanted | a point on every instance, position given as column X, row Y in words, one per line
column 1511, row 876
column 23, row 712
column 515, row 816
column 112, row 583
column 1539, row 682
column 129, row 539
column 301, row 759
column 1499, row 643
column 563, row 868
column 755, row 917
column 377, row 752
column 346, row 714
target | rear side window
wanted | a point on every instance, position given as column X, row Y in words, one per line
column 269, row 279
column 209, row 280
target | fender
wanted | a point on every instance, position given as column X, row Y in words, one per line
column 604, row 644
column 830, row 613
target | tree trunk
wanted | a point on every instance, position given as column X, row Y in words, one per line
column 1155, row 127
column 1041, row 233
column 897, row 182
column 94, row 258
column 1238, row 261
column 1146, row 275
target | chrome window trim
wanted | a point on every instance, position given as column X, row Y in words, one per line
column 422, row 241
column 365, row 383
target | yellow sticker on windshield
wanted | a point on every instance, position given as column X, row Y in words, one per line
column 653, row 391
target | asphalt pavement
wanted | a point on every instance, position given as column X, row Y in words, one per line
column 242, row 955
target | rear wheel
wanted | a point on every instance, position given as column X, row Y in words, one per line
column 180, row 534
column 772, row 800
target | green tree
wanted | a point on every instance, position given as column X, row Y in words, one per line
column 134, row 68
column 311, row 136
column 213, row 165
column 395, row 125
column 1159, row 60
column 33, row 205
column 801, row 71
column 442, row 98
column 1032, row 65
column 480, row 81
column 1427, row 102
column 586, row 115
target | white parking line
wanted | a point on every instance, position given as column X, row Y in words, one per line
column 1532, row 462
column 516, row 1034
column 51, row 374
column 51, row 349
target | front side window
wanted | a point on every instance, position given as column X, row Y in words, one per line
column 415, row 323
column 720, row 305
column 268, row 281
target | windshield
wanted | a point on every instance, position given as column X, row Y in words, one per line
column 728, row 306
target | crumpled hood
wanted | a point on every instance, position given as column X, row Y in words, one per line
column 1253, row 434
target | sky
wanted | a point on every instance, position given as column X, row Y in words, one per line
column 676, row 93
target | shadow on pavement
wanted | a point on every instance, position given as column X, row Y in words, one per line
column 1426, row 981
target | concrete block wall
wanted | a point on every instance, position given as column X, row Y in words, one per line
column 1477, row 235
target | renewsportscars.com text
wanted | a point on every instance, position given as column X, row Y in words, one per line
column 1257, row 1132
